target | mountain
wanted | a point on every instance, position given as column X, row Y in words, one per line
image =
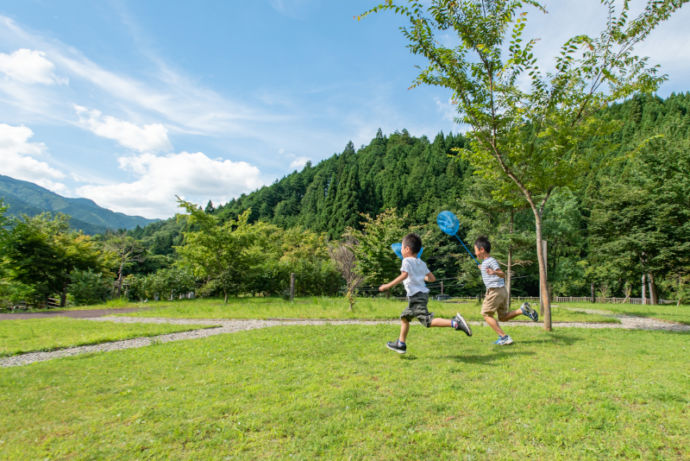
column 23, row 197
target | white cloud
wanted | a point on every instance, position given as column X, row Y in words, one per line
column 193, row 176
column 148, row 138
column 19, row 162
column 29, row 66
column 298, row 163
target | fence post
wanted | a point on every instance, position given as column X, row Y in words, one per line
column 292, row 286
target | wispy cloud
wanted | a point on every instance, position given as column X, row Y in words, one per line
column 169, row 96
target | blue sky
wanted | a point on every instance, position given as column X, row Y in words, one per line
column 131, row 102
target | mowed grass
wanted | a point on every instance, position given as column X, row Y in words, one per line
column 19, row 336
column 378, row 308
column 668, row 312
column 336, row 392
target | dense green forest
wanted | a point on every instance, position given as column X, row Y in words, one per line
column 626, row 218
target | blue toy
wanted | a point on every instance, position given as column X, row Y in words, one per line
column 397, row 248
column 449, row 224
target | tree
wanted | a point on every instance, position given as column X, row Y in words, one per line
column 346, row 262
column 375, row 259
column 126, row 250
column 532, row 135
column 41, row 252
column 306, row 254
column 640, row 218
column 213, row 250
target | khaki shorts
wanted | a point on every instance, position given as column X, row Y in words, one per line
column 495, row 302
column 417, row 309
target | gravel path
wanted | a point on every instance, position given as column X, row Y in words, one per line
column 224, row 326
column 231, row 326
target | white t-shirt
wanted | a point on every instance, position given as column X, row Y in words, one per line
column 416, row 271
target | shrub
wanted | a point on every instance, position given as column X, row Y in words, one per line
column 88, row 287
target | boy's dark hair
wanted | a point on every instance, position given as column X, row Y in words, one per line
column 483, row 242
column 413, row 241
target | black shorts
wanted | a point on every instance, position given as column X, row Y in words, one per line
column 417, row 308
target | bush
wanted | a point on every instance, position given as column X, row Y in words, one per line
column 88, row 287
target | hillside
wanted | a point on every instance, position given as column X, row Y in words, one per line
column 23, row 197
column 413, row 175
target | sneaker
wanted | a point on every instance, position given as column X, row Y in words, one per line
column 397, row 346
column 504, row 340
column 459, row 323
column 529, row 312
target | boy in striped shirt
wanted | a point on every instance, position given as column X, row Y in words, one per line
column 496, row 299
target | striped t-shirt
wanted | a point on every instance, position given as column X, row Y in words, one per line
column 491, row 281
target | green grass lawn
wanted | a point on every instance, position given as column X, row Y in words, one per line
column 327, row 308
column 335, row 392
column 669, row 312
column 19, row 336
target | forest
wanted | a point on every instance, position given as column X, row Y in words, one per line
column 623, row 224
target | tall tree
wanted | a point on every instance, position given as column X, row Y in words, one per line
column 533, row 135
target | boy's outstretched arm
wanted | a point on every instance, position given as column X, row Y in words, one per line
column 394, row 282
column 429, row 277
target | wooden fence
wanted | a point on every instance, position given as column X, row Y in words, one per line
column 567, row 299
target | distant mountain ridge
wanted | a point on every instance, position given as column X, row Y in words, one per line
column 23, row 197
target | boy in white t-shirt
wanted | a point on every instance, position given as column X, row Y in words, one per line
column 413, row 274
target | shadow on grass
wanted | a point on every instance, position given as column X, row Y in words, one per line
column 408, row 357
column 555, row 338
column 486, row 359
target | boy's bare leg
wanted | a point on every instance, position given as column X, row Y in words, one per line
column 404, row 328
column 493, row 323
column 440, row 322
column 510, row 315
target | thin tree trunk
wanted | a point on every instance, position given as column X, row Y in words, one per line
column 543, row 282
column 509, row 269
column 119, row 278
column 628, row 290
column 653, row 296
column 644, row 289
